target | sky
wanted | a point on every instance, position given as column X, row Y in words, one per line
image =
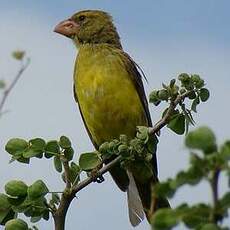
column 164, row 37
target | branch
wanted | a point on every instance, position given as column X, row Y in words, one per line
column 13, row 83
column 101, row 172
column 67, row 172
column 164, row 120
column 70, row 193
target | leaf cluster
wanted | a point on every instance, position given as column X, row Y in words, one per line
column 206, row 164
column 190, row 87
column 21, row 198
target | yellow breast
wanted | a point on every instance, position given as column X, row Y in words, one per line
column 107, row 97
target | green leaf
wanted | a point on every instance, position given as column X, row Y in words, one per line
column 15, row 201
column 143, row 133
column 4, row 203
column 16, row 188
column 5, row 207
column 37, row 189
column 69, row 153
column 203, row 139
column 164, row 219
column 55, row 199
column 195, row 102
column 51, row 149
column 224, row 203
column 177, row 124
column 164, row 189
column 46, row 215
column 89, row 161
column 28, row 153
column 153, row 98
column 38, row 144
column 16, row 224
column 6, row 216
column 172, row 83
column 75, row 171
column 163, row 94
column 16, row 145
column 58, row 164
column 65, row 142
column 192, row 95
column 196, row 216
column 225, row 151
column 204, row 94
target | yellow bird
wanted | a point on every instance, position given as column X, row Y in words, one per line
column 110, row 94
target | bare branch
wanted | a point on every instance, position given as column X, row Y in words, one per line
column 13, row 83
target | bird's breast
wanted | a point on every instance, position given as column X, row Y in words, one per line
column 107, row 97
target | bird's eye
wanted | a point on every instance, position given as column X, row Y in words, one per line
column 81, row 18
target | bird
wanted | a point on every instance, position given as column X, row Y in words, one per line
column 109, row 91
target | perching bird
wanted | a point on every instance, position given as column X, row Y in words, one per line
column 110, row 94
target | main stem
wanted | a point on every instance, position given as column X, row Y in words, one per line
column 60, row 214
column 215, row 196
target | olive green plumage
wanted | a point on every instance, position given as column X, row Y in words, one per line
column 110, row 94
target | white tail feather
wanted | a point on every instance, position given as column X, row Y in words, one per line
column 136, row 211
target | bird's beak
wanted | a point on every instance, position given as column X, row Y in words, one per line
column 68, row 28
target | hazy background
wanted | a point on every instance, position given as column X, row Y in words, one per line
column 164, row 37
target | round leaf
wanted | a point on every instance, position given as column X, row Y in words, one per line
column 16, row 145
column 177, row 124
column 89, row 161
column 204, row 94
column 38, row 144
column 164, row 219
column 4, row 203
column 51, row 149
column 203, row 139
column 16, row 224
column 65, row 142
column 37, row 189
column 69, row 153
column 16, row 188
column 58, row 164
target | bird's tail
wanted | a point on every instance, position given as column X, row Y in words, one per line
column 141, row 200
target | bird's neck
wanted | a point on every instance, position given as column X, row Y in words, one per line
column 106, row 36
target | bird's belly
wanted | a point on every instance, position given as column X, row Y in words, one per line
column 109, row 106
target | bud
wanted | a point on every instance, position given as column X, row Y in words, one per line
column 18, row 55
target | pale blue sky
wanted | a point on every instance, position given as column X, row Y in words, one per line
column 164, row 37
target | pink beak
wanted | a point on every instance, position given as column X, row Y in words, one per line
column 67, row 28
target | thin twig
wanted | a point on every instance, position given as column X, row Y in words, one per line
column 164, row 120
column 13, row 83
column 67, row 172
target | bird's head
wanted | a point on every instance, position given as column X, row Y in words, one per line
column 89, row 26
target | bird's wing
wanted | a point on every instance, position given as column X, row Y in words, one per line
column 136, row 76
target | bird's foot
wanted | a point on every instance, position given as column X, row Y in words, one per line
column 94, row 175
